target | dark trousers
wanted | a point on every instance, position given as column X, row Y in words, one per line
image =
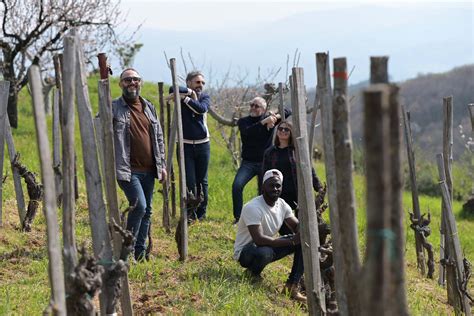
column 256, row 258
column 196, row 161
column 139, row 192
column 246, row 172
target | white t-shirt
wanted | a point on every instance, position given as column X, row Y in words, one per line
column 258, row 212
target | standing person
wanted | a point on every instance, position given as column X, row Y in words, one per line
column 255, row 246
column 197, row 148
column 139, row 154
column 255, row 132
column 282, row 156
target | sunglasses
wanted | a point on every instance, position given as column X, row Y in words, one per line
column 284, row 129
column 131, row 79
column 254, row 105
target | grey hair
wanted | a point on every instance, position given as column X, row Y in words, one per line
column 127, row 69
column 259, row 101
column 193, row 74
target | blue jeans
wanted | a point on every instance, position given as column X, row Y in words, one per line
column 256, row 258
column 196, row 161
column 246, row 172
column 140, row 191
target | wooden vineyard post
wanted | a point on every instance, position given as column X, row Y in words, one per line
column 57, row 106
column 20, row 198
column 166, row 211
column 379, row 236
column 55, row 264
column 342, row 140
column 170, row 168
column 398, row 301
column 447, row 272
column 414, row 189
column 95, row 198
column 281, row 103
column 183, row 220
column 312, row 125
column 460, row 300
column 471, row 112
column 105, row 112
column 324, row 85
column 4, row 90
column 308, row 220
column 67, row 128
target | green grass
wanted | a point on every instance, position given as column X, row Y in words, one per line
column 209, row 282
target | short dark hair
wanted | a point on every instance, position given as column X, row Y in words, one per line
column 193, row 74
column 127, row 69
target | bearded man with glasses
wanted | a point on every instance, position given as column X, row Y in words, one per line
column 139, row 154
column 256, row 131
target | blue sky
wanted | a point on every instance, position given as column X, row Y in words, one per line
column 418, row 36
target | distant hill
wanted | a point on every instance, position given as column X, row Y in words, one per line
column 423, row 97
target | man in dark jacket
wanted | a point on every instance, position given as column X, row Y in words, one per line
column 256, row 131
column 197, row 149
column 139, row 154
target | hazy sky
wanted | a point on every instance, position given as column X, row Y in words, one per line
column 420, row 37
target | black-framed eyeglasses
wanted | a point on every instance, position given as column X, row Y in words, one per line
column 131, row 79
column 284, row 129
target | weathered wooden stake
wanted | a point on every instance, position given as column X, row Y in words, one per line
column 324, row 85
column 57, row 106
column 314, row 115
column 308, row 221
column 460, row 300
column 379, row 235
column 67, row 128
column 166, row 211
column 448, row 273
column 183, row 220
column 281, row 104
column 95, row 198
column 4, row 86
column 344, row 188
column 414, row 189
column 105, row 112
column 471, row 112
column 20, row 198
column 55, row 264
column 170, row 170
column 379, row 69
column 398, row 301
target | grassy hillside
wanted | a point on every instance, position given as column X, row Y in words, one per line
column 210, row 282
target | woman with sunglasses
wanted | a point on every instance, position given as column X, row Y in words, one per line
column 282, row 156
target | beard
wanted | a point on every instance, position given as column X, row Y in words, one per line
column 130, row 94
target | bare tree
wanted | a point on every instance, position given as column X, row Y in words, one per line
column 32, row 31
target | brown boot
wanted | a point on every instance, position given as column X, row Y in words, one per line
column 293, row 291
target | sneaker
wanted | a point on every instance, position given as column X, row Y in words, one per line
column 292, row 290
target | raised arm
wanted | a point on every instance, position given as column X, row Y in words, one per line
column 198, row 106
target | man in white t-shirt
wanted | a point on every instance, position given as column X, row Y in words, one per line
column 261, row 218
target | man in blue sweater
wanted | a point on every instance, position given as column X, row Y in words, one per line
column 197, row 150
column 256, row 131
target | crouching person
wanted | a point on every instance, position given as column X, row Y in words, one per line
column 261, row 218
